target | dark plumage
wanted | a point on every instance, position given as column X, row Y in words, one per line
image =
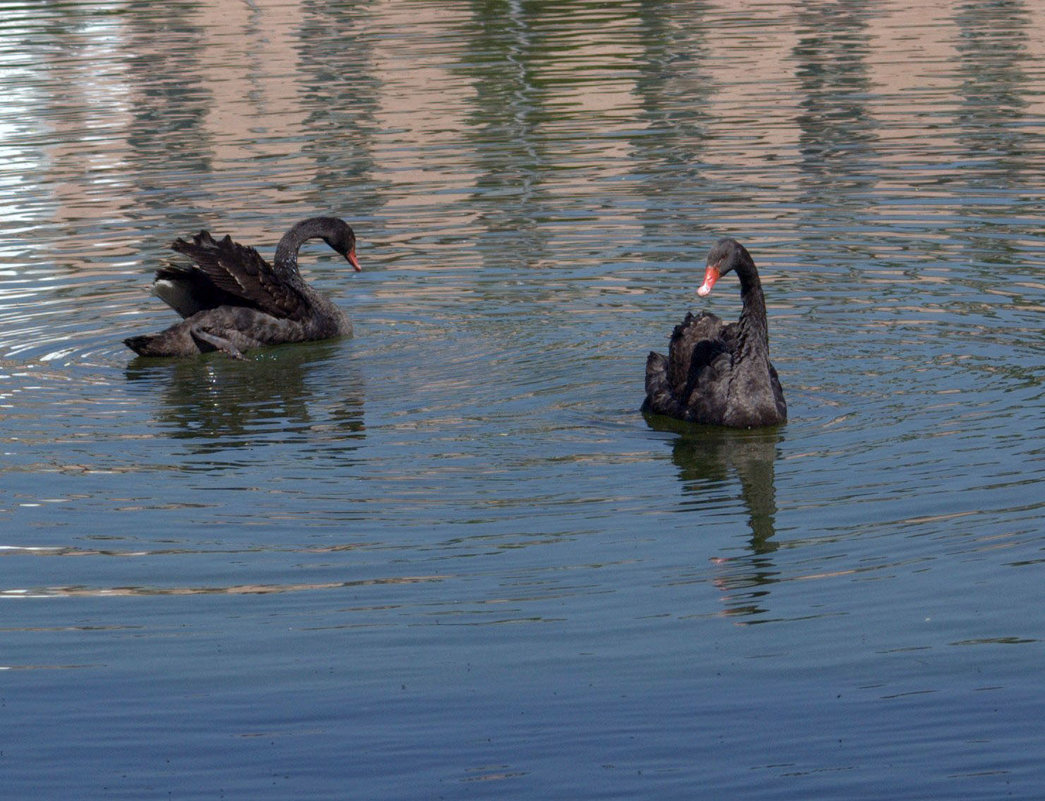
column 233, row 300
column 714, row 372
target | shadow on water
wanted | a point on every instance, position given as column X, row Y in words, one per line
column 276, row 394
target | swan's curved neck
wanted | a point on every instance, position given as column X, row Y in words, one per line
column 286, row 258
column 754, row 329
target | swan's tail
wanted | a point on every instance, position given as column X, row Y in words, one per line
column 144, row 345
column 175, row 341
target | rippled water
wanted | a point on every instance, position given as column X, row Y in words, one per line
column 448, row 558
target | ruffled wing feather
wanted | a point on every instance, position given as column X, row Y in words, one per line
column 238, row 275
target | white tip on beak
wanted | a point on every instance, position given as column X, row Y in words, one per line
column 711, row 275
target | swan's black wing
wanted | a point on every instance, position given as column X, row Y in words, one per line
column 685, row 339
column 707, row 386
column 659, row 397
column 227, row 273
column 694, row 353
column 188, row 290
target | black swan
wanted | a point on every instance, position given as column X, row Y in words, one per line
column 716, row 373
column 233, row 300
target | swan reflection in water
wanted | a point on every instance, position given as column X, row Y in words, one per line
column 711, row 459
column 282, row 394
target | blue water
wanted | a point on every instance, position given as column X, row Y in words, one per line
column 448, row 557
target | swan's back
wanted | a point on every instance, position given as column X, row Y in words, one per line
column 706, row 378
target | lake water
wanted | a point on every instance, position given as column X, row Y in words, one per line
column 449, row 558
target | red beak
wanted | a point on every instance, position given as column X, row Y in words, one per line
column 711, row 275
column 351, row 256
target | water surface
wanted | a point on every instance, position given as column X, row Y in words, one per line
column 448, row 557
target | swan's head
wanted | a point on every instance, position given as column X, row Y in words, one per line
column 342, row 239
column 726, row 255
